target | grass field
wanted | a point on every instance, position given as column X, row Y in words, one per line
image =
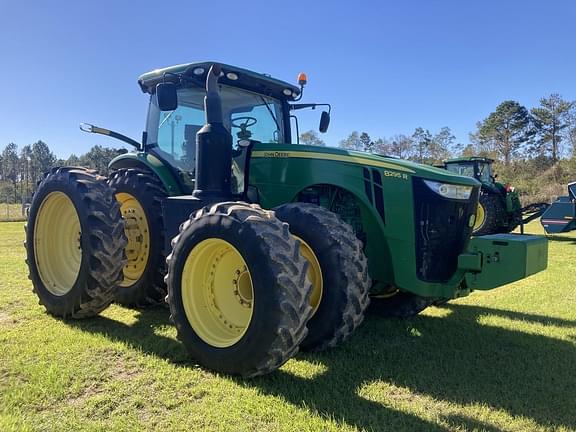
column 497, row 361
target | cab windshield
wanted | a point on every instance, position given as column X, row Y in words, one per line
column 174, row 132
column 481, row 171
column 484, row 172
column 461, row 169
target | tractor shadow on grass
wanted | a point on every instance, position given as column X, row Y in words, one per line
column 143, row 335
column 453, row 359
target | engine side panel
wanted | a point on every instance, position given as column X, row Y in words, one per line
column 383, row 193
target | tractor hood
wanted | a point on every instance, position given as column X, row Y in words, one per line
column 392, row 164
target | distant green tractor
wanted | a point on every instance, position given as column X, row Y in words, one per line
column 261, row 246
column 499, row 208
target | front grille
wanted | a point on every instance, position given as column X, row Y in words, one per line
column 442, row 231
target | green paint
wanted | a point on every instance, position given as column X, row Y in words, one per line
column 507, row 258
column 131, row 160
column 281, row 171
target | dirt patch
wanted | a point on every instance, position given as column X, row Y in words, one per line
column 124, row 371
column 118, row 367
column 121, row 365
column 7, row 320
column 80, row 399
column 8, row 377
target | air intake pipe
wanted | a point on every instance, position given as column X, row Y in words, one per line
column 213, row 147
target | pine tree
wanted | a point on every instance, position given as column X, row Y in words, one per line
column 422, row 140
column 367, row 143
column 550, row 121
column 506, row 129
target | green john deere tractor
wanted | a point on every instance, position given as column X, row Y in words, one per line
column 499, row 208
column 261, row 247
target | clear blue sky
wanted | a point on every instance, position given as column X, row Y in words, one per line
column 386, row 67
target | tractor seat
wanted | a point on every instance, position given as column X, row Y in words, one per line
column 572, row 191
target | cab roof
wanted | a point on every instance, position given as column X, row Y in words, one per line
column 469, row 159
column 231, row 75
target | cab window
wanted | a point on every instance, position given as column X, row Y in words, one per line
column 461, row 169
column 246, row 115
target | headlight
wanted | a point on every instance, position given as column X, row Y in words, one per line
column 448, row 190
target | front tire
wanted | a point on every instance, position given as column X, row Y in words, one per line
column 340, row 283
column 490, row 215
column 75, row 243
column 237, row 289
column 140, row 194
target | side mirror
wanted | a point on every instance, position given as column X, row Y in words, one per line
column 166, row 96
column 324, row 122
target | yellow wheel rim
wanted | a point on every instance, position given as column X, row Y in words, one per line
column 480, row 216
column 138, row 234
column 314, row 274
column 217, row 292
column 57, row 247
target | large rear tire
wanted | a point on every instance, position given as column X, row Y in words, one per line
column 338, row 271
column 75, row 243
column 140, row 194
column 237, row 289
column 490, row 216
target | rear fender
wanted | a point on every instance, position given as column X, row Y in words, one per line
column 147, row 160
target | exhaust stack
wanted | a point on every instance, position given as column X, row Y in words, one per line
column 213, row 147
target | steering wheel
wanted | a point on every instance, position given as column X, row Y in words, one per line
column 249, row 121
column 243, row 123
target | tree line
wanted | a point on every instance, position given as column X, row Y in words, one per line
column 510, row 133
column 534, row 148
column 21, row 169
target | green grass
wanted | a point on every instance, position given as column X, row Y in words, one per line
column 497, row 361
column 11, row 212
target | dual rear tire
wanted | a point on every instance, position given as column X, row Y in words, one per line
column 338, row 270
column 236, row 271
column 140, row 193
column 238, row 291
column 91, row 241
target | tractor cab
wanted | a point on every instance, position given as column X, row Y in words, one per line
column 256, row 108
column 499, row 208
column 478, row 167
